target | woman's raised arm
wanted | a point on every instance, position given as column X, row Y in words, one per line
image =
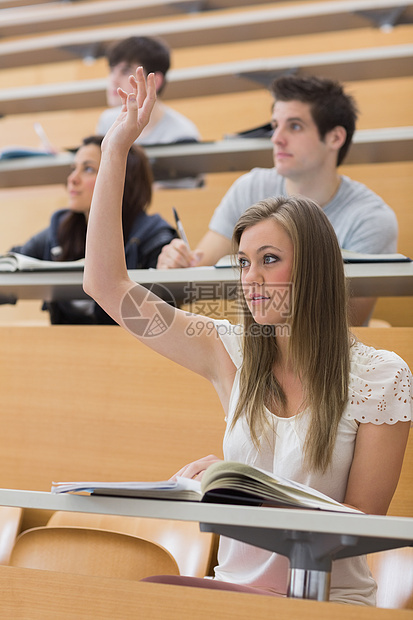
column 187, row 339
column 105, row 277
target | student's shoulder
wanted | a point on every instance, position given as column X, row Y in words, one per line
column 360, row 194
column 148, row 225
column 369, row 357
column 363, row 203
column 106, row 120
column 262, row 180
column 110, row 113
column 180, row 127
column 380, row 386
column 230, row 335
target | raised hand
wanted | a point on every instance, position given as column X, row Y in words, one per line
column 135, row 113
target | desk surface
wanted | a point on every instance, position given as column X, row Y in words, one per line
column 181, row 160
column 310, row 539
column 252, row 516
column 201, row 283
column 203, row 80
column 60, row 16
column 200, row 29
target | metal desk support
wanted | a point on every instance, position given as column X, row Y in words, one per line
column 310, row 553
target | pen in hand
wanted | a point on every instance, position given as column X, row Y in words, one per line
column 180, row 229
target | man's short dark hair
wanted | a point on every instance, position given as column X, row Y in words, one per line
column 151, row 53
column 330, row 105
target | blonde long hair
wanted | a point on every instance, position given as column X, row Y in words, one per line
column 319, row 343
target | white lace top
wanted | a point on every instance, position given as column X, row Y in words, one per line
column 380, row 391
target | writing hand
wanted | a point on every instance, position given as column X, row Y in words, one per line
column 176, row 255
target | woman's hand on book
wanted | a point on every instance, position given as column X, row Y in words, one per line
column 196, row 469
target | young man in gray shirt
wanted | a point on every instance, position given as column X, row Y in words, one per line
column 314, row 122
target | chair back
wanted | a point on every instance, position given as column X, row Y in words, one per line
column 192, row 549
column 88, row 551
column 393, row 572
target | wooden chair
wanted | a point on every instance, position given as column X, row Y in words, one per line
column 393, row 572
column 10, row 521
column 193, row 550
column 88, row 551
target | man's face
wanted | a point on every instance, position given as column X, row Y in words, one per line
column 298, row 149
column 119, row 77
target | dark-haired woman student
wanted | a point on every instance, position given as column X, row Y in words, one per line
column 303, row 398
column 64, row 240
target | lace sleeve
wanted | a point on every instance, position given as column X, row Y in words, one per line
column 380, row 388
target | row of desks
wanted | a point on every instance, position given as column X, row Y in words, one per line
column 202, row 28
column 233, row 154
column 386, row 61
column 199, row 283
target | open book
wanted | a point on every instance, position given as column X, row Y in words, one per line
column 357, row 257
column 12, row 261
column 223, row 482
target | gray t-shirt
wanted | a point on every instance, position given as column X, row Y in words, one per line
column 362, row 220
column 172, row 127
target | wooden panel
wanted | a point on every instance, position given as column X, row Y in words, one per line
column 66, row 47
column 238, row 76
column 43, row 595
column 93, row 403
column 98, row 404
column 200, row 29
column 215, row 115
column 62, row 16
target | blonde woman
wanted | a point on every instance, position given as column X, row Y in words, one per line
column 302, row 397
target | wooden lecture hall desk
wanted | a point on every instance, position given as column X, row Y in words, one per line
column 310, row 539
column 203, row 28
column 388, row 61
column 172, row 161
column 198, row 283
column 28, row 594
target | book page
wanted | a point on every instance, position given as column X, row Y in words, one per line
column 357, row 257
column 242, row 478
column 13, row 261
column 181, row 488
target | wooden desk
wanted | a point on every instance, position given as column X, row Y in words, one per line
column 198, row 283
column 203, row 80
column 46, row 595
column 233, row 154
column 60, row 16
column 310, row 539
column 203, row 28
